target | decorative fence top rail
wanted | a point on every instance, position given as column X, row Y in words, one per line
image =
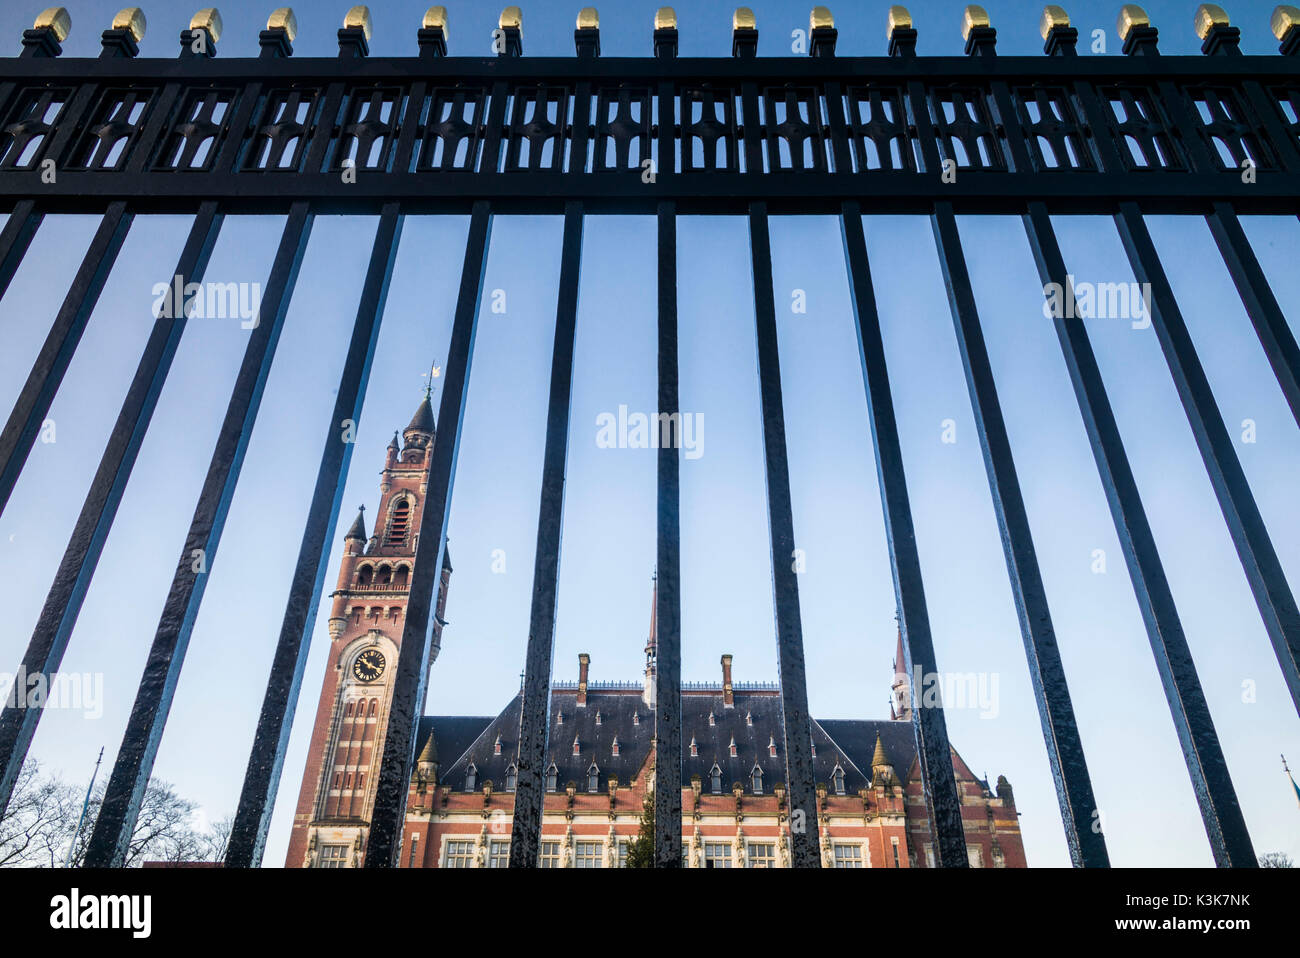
column 1078, row 133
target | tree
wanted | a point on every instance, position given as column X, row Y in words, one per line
column 641, row 851
column 1276, row 860
column 38, row 827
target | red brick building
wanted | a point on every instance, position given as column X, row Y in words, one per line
column 870, row 806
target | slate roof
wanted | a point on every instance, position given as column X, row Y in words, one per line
column 753, row 722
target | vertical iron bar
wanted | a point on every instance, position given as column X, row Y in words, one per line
column 805, row 843
column 1047, row 672
column 1261, row 305
column 52, row 362
column 1220, row 811
column 120, row 808
column 16, row 238
column 262, row 779
column 411, row 674
column 943, row 804
column 1249, row 533
column 534, row 724
column 63, row 603
column 668, row 596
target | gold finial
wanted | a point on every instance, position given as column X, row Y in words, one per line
column 743, row 19
column 358, row 17
column 435, row 18
column 282, row 18
column 1053, row 16
column 55, row 19
column 132, row 20
column 588, row 19
column 899, row 19
column 973, row 16
column 511, row 17
column 665, row 18
column 209, row 19
column 820, row 19
column 1209, row 15
column 1285, row 19
column 1130, row 16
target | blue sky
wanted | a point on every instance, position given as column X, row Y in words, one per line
column 846, row 594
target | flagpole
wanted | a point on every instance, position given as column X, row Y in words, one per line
column 72, row 848
column 1294, row 787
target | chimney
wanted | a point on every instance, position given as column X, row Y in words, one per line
column 584, row 660
column 728, row 700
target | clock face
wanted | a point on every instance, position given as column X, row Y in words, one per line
column 369, row 665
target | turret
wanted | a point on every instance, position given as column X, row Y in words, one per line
column 418, row 435
column 354, row 545
column 882, row 772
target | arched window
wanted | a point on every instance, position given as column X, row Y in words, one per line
column 756, row 781
column 552, row 778
column 471, row 777
column 593, row 778
column 399, row 523
column 374, row 707
column 837, row 777
column 364, row 575
column 715, row 777
column 402, row 576
column 512, row 777
column 347, row 712
column 384, row 575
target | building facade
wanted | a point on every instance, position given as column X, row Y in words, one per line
column 870, row 807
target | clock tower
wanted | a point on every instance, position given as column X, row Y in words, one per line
column 367, row 614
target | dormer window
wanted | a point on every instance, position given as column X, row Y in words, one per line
column 597, row 717
column 715, row 779
column 614, row 747
column 695, row 749
column 732, row 746
column 496, row 746
column 756, row 780
column 712, row 720
column 749, row 719
column 636, row 718
column 552, row 778
column 512, row 778
column 593, row 778
column 837, row 779
column 771, row 746
column 471, row 778
column 577, row 749
column 559, row 718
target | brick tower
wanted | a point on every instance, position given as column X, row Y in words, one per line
column 332, row 821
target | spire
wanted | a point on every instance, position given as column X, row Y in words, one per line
column 878, row 758
column 358, row 530
column 652, row 644
column 393, row 444
column 428, row 754
column 901, row 705
column 422, row 421
column 882, row 773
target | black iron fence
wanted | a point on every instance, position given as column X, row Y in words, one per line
column 1215, row 136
